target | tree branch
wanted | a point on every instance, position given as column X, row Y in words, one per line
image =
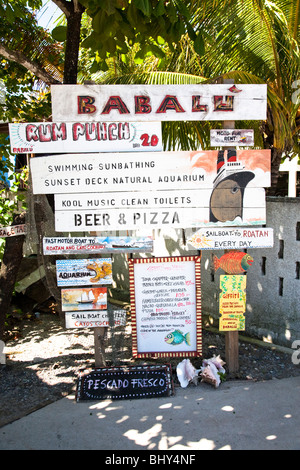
column 33, row 67
column 66, row 7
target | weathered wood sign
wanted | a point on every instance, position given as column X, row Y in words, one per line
column 232, row 302
column 158, row 102
column 13, row 231
column 165, row 306
column 232, row 238
column 83, row 272
column 89, row 298
column 60, row 137
column 231, row 137
column 126, row 382
column 94, row 319
column 160, row 190
column 83, row 245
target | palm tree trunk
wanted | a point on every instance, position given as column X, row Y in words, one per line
column 11, row 261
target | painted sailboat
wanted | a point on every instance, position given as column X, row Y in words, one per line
column 86, row 298
column 226, row 201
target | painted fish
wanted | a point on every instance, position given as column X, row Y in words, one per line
column 233, row 262
column 177, row 337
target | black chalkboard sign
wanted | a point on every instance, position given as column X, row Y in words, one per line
column 124, row 382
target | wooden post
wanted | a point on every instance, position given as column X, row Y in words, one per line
column 99, row 335
column 231, row 337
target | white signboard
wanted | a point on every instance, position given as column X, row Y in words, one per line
column 83, row 245
column 232, row 238
column 13, row 230
column 158, row 102
column 165, row 306
column 97, row 173
column 83, row 272
column 231, row 137
column 94, row 319
column 54, row 137
column 160, row 189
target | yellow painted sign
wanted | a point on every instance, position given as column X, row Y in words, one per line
column 232, row 304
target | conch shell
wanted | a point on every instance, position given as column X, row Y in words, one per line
column 186, row 373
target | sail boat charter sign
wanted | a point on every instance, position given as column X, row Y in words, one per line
column 162, row 189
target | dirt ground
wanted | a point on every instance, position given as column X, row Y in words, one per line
column 43, row 360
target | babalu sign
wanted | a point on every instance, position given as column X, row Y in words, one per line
column 158, row 102
column 59, row 137
column 160, row 189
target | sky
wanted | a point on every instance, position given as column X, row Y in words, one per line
column 48, row 15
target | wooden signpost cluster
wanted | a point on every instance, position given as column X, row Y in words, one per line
column 107, row 171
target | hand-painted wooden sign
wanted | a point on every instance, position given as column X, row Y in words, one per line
column 165, row 307
column 231, row 137
column 204, row 188
column 83, row 245
column 233, row 262
column 94, row 319
column 158, row 102
column 89, row 298
column 232, row 303
column 125, row 382
column 83, row 272
column 13, row 231
column 60, row 137
column 232, row 238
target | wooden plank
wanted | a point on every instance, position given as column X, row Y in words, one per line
column 232, row 302
column 94, row 244
column 86, row 173
column 13, row 231
column 232, row 238
column 134, row 219
column 83, row 272
column 60, row 137
column 86, row 298
column 158, row 102
column 231, row 137
column 94, row 319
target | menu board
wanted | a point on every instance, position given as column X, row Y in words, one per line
column 165, row 306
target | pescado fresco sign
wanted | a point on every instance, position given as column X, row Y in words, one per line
column 159, row 102
column 60, row 137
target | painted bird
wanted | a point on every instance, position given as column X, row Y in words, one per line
column 233, row 262
column 177, row 337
